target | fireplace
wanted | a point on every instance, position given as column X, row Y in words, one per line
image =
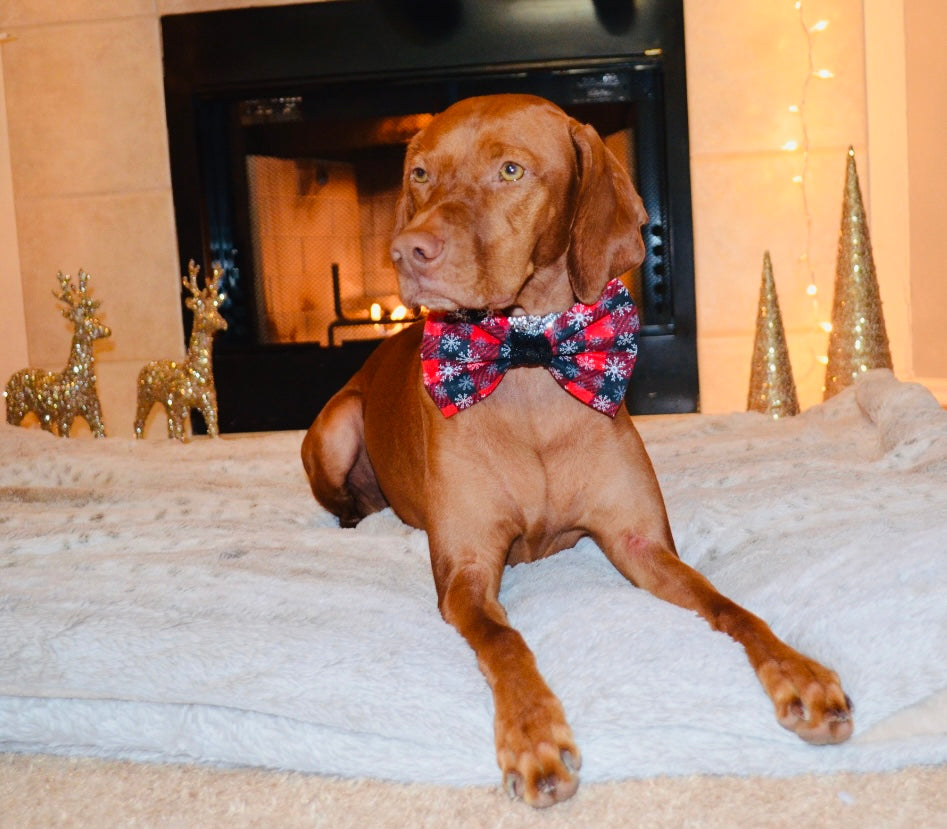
column 287, row 131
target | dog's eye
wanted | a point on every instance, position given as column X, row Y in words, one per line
column 511, row 171
column 419, row 175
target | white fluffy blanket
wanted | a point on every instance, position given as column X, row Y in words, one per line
column 193, row 603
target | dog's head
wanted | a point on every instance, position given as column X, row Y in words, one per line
column 509, row 203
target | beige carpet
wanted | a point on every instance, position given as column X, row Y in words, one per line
column 42, row 791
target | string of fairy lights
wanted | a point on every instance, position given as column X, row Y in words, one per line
column 814, row 74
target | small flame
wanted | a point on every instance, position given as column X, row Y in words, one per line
column 375, row 312
column 399, row 313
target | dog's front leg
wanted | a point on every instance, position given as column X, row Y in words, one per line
column 807, row 697
column 536, row 753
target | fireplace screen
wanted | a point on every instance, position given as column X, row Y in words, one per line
column 321, row 229
column 306, row 215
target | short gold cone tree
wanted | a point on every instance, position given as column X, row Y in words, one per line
column 772, row 390
column 858, row 341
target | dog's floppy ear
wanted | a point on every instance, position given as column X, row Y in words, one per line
column 606, row 226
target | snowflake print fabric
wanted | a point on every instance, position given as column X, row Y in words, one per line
column 590, row 350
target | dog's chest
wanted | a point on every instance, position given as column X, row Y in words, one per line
column 544, row 457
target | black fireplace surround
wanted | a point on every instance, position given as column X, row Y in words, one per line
column 612, row 63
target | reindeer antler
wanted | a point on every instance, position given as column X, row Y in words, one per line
column 190, row 282
column 212, row 284
column 84, row 299
column 69, row 290
column 217, row 273
column 65, row 283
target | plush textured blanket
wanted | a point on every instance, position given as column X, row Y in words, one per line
column 191, row 602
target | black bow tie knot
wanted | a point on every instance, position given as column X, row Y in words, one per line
column 529, row 349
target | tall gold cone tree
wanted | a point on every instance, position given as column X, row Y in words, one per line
column 858, row 341
column 772, row 390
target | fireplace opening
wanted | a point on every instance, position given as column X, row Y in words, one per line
column 287, row 156
column 322, row 192
column 322, row 201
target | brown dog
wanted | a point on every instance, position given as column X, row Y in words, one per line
column 511, row 207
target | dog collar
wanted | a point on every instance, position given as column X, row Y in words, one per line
column 590, row 350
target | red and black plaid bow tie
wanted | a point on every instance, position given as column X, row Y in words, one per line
column 590, row 350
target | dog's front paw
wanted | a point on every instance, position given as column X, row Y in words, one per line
column 536, row 753
column 808, row 699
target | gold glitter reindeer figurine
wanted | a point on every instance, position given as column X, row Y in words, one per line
column 180, row 387
column 58, row 398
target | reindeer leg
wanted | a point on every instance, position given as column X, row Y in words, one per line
column 16, row 411
column 169, row 411
column 93, row 416
column 209, row 411
column 141, row 414
column 170, row 419
column 176, row 423
column 47, row 423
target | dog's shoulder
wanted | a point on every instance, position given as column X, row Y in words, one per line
column 398, row 350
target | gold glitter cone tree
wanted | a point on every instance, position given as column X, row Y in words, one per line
column 858, row 341
column 772, row 390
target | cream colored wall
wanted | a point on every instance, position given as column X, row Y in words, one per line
column 887, row 177
column 91, row 182
column 925, row 24
column 906, row 73
column 13, row 353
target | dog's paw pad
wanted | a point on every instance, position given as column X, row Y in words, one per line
column 543, row 784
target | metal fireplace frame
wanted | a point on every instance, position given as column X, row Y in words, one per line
column 215, row 59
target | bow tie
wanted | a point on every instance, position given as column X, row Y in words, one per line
column 590, row 350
